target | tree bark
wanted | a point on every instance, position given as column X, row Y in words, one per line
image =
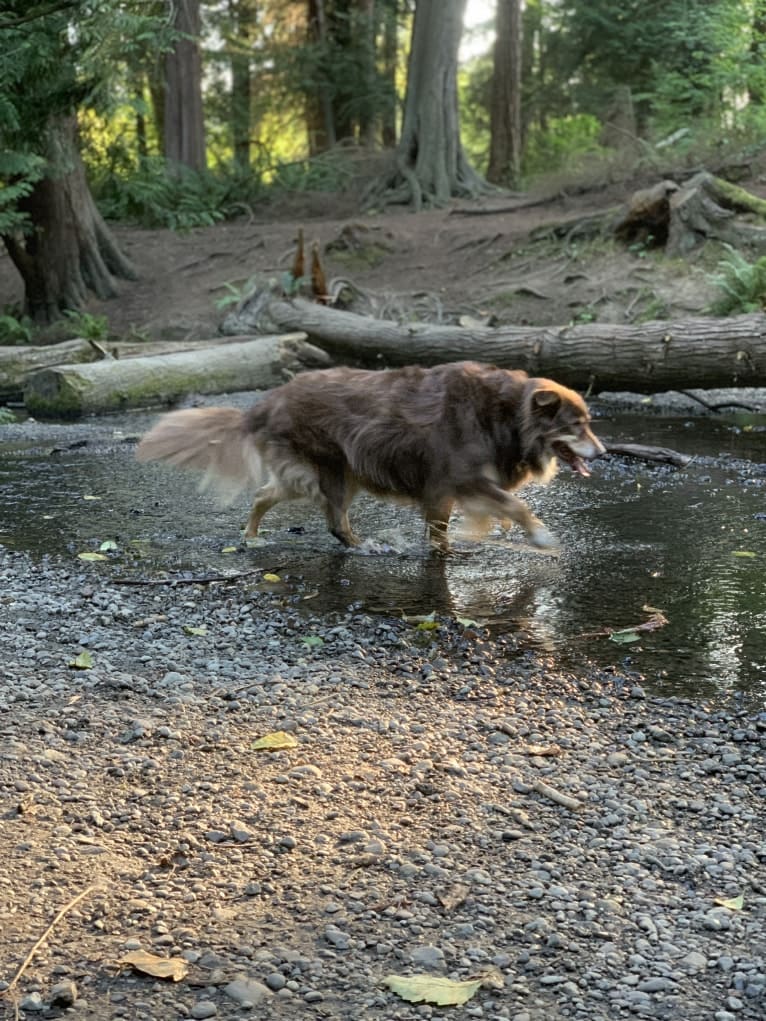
column 69, row 250
column 69, row 391
column 184, row 126
column 505, row 103
column 431, row 165
column 647, row 358
column 390, row 54
column 242, row 15
column 320, row 123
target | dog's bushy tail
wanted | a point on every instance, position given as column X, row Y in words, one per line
column 212, row 440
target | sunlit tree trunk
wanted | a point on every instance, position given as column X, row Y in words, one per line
column 184, row 124
column 242, row 14
column 505, row 104
column 320, row 124
column 430, row 157
column 68, row 252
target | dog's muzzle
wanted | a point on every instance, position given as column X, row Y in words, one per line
column 576, row 453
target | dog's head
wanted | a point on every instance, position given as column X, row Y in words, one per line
column 560, row 418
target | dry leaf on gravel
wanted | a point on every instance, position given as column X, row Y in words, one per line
column 732, row 903
column 174, row 968
column 542, row 749
column 275, row 742
column 441, row 991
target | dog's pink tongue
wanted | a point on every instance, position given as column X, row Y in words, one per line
column 579, row 466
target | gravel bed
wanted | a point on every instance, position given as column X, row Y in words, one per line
column 413, row 828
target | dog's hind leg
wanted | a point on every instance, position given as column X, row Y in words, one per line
column 437, row 515
column 266, row 498
column 336, row 495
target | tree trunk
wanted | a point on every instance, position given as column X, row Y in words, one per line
column 69, row 250
column 755, row 80
column 647, row 358
column 367, row 23
column 320, row 124
column 184, row 123
column 242, row 16
column 505, row 103
column 390, row 52
column 69, row 391
column 431, row 165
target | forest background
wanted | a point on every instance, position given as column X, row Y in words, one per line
column 183, row 113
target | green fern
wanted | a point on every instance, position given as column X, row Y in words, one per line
column 15, row 331
column 741, row 285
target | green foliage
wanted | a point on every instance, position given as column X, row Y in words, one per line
column 742, row 285
column 6, row 416
column 681, row 59
column 329, row 171
column 234, row 293
column 562, row 144
column 149, row 196
column 85, row 325
column 14, row 330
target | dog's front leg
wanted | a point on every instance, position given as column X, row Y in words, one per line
column 488, row 498
column 437, row 515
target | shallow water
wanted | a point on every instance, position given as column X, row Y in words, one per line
column 689, row 542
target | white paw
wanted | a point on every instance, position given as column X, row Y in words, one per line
column 542, row 538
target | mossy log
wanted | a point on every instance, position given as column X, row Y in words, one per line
column 651, row 357
column 16, row 363
column 70, row 391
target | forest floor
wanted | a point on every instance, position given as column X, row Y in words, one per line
column 472, row 258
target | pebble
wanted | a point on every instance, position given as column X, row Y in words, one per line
column 203, row 1009
column 249, row 992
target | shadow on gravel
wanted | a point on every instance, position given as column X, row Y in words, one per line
column 689, row 542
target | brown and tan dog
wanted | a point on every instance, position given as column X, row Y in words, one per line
column 462, row 433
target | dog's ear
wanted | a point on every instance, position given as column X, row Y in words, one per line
column 547, row 401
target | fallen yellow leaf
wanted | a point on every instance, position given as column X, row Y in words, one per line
column 271, row 577
column 432, row 989
column 92, row 556
column 733, row 903
column 158, row 967
column 275, row 742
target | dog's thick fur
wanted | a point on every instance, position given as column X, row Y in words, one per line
column 462, row 433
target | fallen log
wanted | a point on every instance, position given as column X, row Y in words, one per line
column 69, row 391
column 17, row 363
column 699, row 353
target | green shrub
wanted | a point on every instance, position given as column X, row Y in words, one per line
column 741, row 285
column 152, row 197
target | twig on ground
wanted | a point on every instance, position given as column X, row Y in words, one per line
column 663, row 455
column 202, row 579
column 717, row 407
column 561, row 799
column 28, row 959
